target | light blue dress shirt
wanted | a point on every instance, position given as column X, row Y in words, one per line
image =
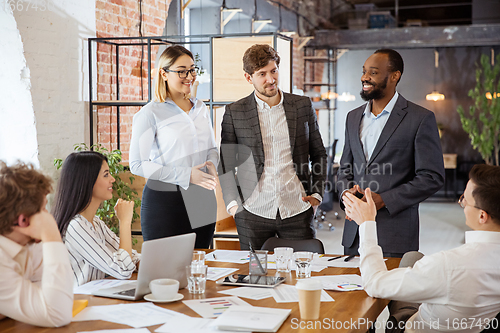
column 167, row 142
column 371, row 126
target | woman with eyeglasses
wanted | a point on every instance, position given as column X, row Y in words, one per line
column 173, row 146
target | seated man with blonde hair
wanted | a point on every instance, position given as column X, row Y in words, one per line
column 459, row 289
column 36, row 281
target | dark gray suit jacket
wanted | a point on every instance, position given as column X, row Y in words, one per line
column 406, row 167
column 242, row 149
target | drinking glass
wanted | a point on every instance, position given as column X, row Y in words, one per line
column 197, row 278
column 198, row 258
column 303, row 262
column 283, row 257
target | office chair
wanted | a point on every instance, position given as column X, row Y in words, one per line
column 312, row 245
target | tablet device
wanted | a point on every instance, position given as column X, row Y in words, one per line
column 252, row 280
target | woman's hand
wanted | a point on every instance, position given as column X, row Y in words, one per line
column 203, row 179
column 124, row 211
column 358, row 210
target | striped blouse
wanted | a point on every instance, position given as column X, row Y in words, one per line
column 95, row 253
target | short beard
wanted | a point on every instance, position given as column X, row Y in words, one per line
column 377, row 93
column 264, row 93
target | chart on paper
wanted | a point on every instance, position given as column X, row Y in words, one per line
column 214, row 307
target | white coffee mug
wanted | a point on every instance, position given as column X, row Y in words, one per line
column 164, row 289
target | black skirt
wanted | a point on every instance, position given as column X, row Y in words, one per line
column 169, row 210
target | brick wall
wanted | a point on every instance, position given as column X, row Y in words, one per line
column 120, row 18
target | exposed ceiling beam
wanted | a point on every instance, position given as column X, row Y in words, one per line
column 414, row 37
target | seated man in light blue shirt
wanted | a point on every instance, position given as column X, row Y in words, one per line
column 459, row 289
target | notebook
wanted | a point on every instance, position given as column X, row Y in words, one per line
column 160, row 258
column 254, row 319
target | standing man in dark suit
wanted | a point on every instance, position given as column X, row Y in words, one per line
column 269, row 139
column 391, row 146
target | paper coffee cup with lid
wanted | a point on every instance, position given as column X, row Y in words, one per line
column 309, row 291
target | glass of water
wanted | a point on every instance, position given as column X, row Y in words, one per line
column 198, row 258
column 283, row 258
column 197, row 278
column 303, row 262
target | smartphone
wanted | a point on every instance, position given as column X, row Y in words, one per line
column 252, row 280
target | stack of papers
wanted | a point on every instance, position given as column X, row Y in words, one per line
column 236, row 257
column 286, row 293
column 121, row 330
column 135, row 315
column 248, row 292
column 191, row 325
column 89, row 287
column 346, row 282
column 215, row 273
column 255, row 319
column 214, row 307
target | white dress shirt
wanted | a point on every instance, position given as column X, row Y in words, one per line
column 36, row 286
column 167, row 142
column 94, row 251
column 459, row 289
column 279, row 187
column 371, row 126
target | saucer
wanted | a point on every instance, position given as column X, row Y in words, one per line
column 151, row 298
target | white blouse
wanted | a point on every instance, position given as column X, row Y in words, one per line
column 95, row 252
column 167, row 142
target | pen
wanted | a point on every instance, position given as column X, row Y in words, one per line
column 214, row 256
column 349, row 258
column 256, row 257
column 334, row 258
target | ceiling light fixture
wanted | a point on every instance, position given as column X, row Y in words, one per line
column 435, row 95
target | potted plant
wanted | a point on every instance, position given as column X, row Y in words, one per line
column 121, row 189
column 482, row 122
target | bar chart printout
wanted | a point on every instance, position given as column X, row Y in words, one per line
column 214, row 307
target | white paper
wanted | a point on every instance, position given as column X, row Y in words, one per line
column 353, row 263
column 90, row 287
column 236, row 257
column 345, row 282
column 215, row 273
column 255, row 319
column 286, row 293
column 190, row 324
column 214, row 307
column 248, row 292
column 135, row 315
column 120, row 330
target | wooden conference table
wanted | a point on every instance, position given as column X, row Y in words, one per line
column 349, row 313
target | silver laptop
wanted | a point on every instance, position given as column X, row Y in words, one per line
column 160, row 258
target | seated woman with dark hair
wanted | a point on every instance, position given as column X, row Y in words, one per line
column 94, row 249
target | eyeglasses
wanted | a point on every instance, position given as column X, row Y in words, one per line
column 183, row 74
column 463, row 203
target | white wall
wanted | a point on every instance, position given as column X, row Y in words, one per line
column 55, row 47
column 17, row 120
